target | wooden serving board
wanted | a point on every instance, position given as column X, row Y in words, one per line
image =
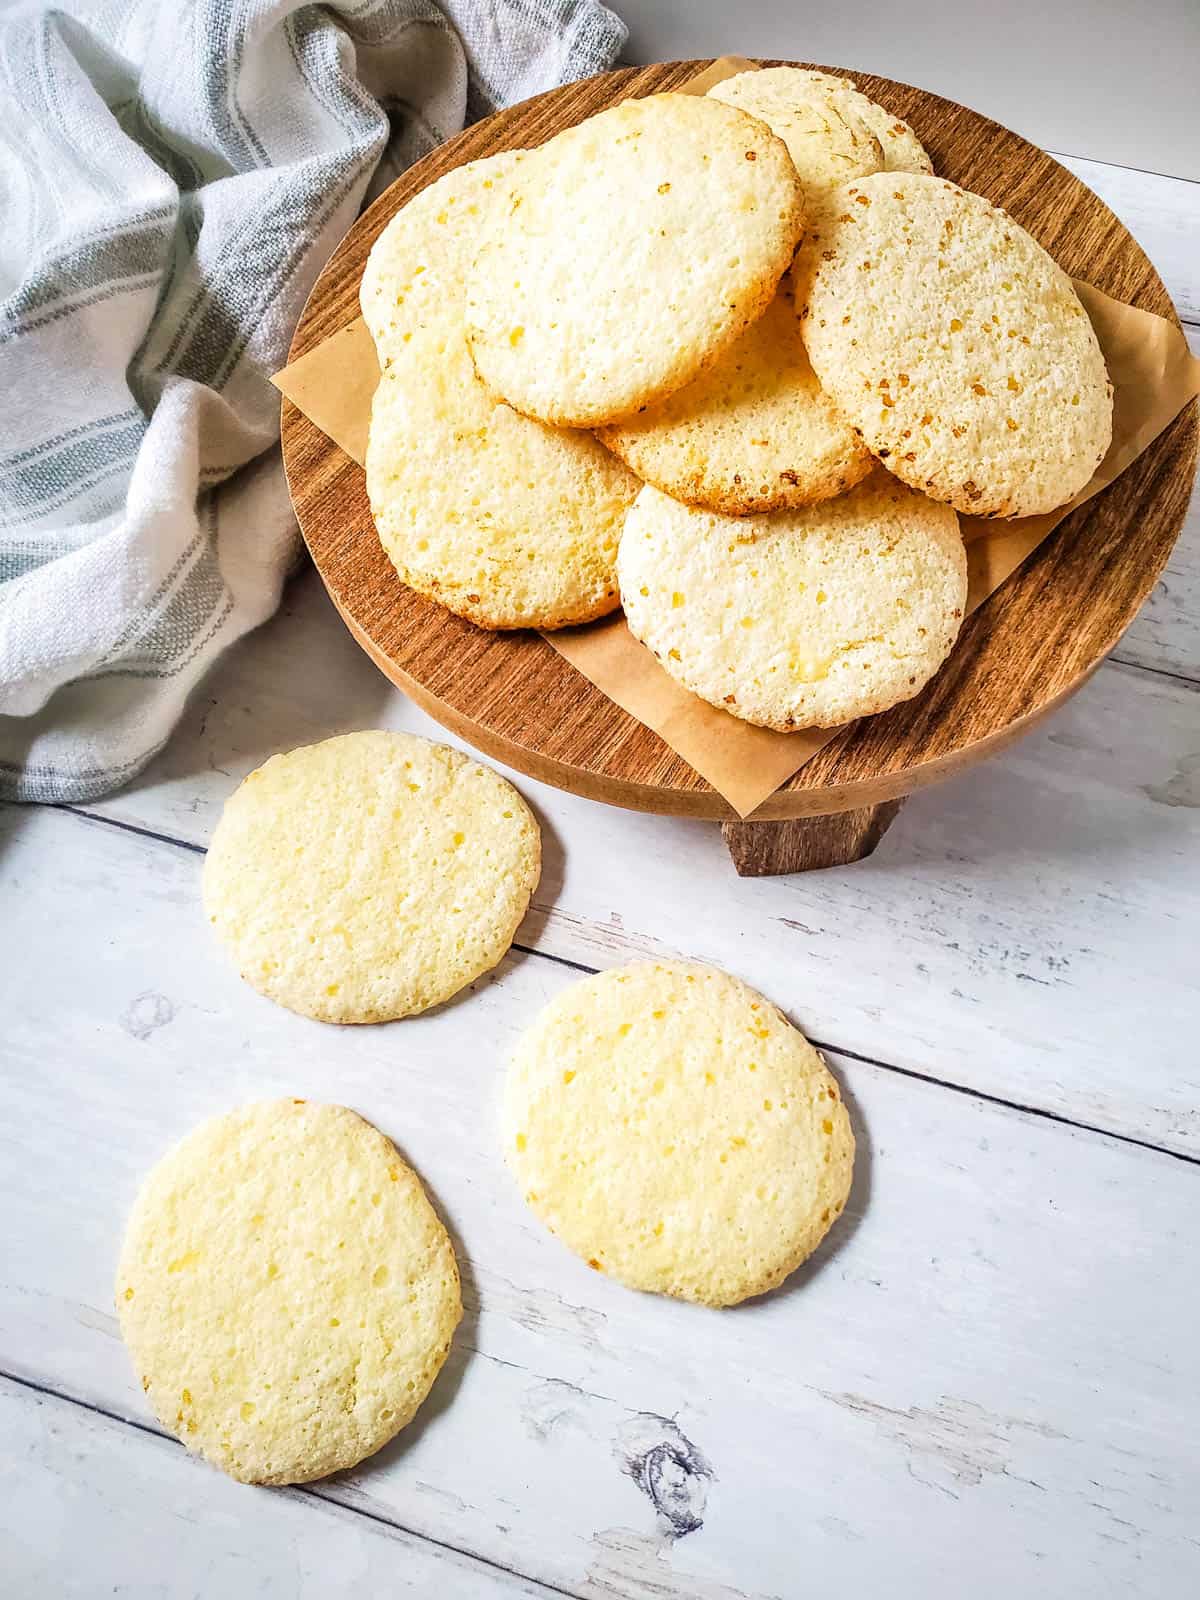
column 1033, row 643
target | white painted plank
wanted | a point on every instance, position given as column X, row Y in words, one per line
column 1163, row 214
column 88, row 1506
column 1026, row 930
column 990, row 1378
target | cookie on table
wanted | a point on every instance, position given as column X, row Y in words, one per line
column 600, row 288
column 502, row 519
column 955, row 345
column 677, row 1132
column 827, row 138
column 756, row 432
column 370, row 876
column 286, row 1291
column 802, row 618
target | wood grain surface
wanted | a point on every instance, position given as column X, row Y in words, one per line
column 1024, row 652
column 805, row 844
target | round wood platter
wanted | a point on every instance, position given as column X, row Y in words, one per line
column 1033, row 643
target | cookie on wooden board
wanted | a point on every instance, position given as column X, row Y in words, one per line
column 756, row 432
column 677, row 1132
column 955, row 345
column 504, row 520
column 828, row 140
column 286, row 1291
column 902, row 150
column 419, row 263
column 628, row 253
column 802, row 618
column 370, row 876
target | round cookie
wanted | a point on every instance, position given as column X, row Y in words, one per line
column 502, row 519
column 598, row 289
column 370, row 876
column 956, row 346
column 675, row 1130
column 902, row 150
column 756, row 432
column 803, row 618
column 286, row 1291
column 828, row 140
column 417, row 267
column 506, row 521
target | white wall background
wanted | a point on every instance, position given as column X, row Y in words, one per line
column 1112, row 80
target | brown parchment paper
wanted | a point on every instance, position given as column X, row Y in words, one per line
column 1154, row 376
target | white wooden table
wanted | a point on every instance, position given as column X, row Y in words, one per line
column 988, row 1381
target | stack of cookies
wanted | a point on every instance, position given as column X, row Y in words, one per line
column 734, row 362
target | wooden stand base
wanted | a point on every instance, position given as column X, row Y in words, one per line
column 803, row 844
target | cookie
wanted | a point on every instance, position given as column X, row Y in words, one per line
column 675, row 1130
column 902, row 150
column 599, row 288
column 827, row 139
column 802, row 618
column 956, row 346
column 756, row 432
column 370, row 876
column 500, row 518
column 507, row 521
column 420, row 260
column 286, row 1291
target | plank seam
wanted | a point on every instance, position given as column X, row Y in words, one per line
column 1009, row 1105
column 1119, row 166
column 1156, row 672
column 438, row 1544
column 132, row 827
column 293, row 1490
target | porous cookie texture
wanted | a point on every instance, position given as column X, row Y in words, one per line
column 370, row 876
column 507, row 521
column 828, row 140
column 599, row 288
column 955, row 345
column 502, row 519
column 677, row 1132
column 801, row 618
column 286, row 1291
column 755, row 432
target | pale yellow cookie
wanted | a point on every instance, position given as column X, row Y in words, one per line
column 286, row 1291
column 674, row 1130
column 756, row 432
column 370, row 876
column 628, row 253
column 902, row 150
column 418, row 265
column 827, row 139
column 802, row 618
column 955, row 345
column 502, row 519
column 505, row 520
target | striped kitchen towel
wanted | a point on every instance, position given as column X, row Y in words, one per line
column 172, row 177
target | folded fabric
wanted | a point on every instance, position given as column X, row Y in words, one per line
column 172, row 178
